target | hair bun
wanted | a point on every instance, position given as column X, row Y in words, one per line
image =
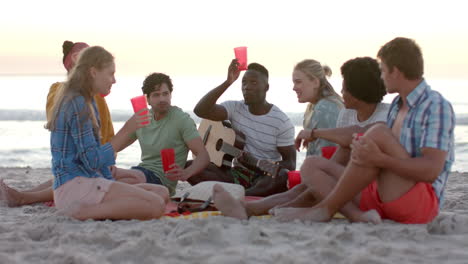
column 327, row 70
column 66, row 47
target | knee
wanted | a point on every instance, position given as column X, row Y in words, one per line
column 378, row 131
column 311, row 164
column 309, row 168
column 163, row 192
column 158, row 207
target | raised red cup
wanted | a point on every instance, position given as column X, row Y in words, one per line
column 168, row 158
column 294, row 178
column 138, row 103
column 241, row 56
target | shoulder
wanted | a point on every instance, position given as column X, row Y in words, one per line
column 436, row 98
column 345, row 112
column 433, row 102
column 55, row 86
column 73, row 105
column 276, row 111
column 233, row 103
column 276, row 115
column 177, row 113
column 327, row 103
column 382, row 108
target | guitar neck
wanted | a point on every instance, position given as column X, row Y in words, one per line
column 235, row 152
column 230, row 150
column 266, row 166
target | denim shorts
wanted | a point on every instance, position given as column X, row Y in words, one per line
column 149, row 175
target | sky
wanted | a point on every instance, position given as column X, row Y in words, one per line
column 196, row 38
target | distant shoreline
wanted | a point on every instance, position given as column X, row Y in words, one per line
column 117, row 115
column 124, row 115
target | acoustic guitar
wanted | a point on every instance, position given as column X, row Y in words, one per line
column 224, row 143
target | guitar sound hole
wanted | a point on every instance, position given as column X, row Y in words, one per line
column 219, row 144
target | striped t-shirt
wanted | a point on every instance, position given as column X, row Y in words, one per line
column 263, row 133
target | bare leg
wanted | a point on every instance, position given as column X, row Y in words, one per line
column 356, row 178
column 14, row 198
column 320, row 175
column 261, row 207
column 42, row 186
column 157, row 189
column 128, row 176
column 122, row 201
column 44, row 191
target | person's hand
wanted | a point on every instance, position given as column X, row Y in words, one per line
column 137, row 121
column 176, row 173
column 142, row 120
column 304, row 137
column 233, row 71
column 364, row 151
column 247, row 159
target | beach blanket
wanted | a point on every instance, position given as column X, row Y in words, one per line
column 171, row 212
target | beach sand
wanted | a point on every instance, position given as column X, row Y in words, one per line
column 35, row 234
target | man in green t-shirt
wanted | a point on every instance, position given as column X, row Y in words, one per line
column 169, row 127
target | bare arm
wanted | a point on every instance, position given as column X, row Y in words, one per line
column 207, row 107
column 122, row 139
column 341, row 155
column 420, row 169
column 341, row 136
column 269, row 185
column 288, row 155
column 202, row 158
column 196, row 166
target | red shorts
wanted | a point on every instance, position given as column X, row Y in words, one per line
column 418, row 206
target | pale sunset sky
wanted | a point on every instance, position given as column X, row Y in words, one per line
column 196, row 38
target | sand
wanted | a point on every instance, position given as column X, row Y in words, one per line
column 35, row 234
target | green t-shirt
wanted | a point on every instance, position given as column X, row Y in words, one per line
column 173, row 131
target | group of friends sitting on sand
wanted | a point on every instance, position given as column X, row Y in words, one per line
column 391, row 161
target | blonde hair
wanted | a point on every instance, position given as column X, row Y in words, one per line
column 314, row 70
column 80, row 83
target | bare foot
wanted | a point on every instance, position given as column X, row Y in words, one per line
column 227, row 204
column 371, row 216
column 316, row 214
column 9, row 195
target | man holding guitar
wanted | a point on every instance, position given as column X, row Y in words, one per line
column 269, row 134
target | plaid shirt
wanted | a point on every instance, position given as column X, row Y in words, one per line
column 430, row 123
column 75, row 149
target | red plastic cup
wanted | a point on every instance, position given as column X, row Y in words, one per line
column 241, row 56
column 168, row 158
column 328, row 151
column 139, row 103
column 294, row 178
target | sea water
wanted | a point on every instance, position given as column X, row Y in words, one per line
column 25, row 142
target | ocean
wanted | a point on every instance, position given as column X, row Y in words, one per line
column 24, row 141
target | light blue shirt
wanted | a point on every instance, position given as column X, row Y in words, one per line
column 325, row 115
column 430, row 123
column 76, row 150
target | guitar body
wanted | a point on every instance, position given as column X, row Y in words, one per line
column 214, row 134
column 224, row 143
